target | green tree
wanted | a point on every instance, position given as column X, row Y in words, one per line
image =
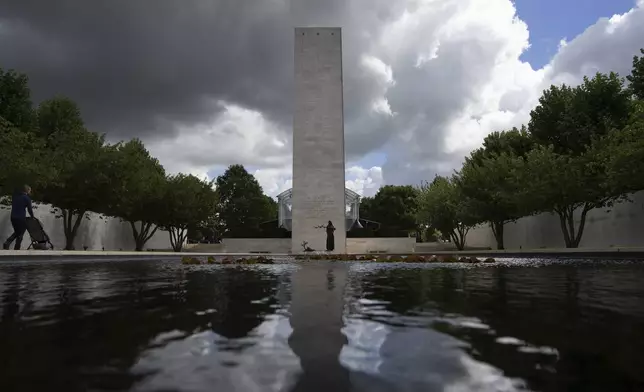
column 80, row 168
column 59, row 114
column 624, row 154
column 272, row 208
column 242, row 203
column 486, row 178
column 269, row 227
column 443, row 207
column 187, row 202
column 569, row 186
column 209, row 227
column 15, row 99
column 394, row 207
column 492, row 191
column 21, row 159
column 515, row 141
column 138, row 188
column 636, row 78
column 571, row 118
column 367, row 208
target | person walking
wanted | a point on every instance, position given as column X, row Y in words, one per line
column 19, row 203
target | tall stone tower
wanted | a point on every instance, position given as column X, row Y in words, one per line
column 318, row 140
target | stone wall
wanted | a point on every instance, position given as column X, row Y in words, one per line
column 246, row 245
column 389, row 245
column 620, row 226
column 96, row 233
column 283, row 245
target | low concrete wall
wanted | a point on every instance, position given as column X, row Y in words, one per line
column 283, row 245
column 206, row 248
column 264, row 245
column 388, row 245
column 95, row 233
column 430, row 247
column 620, row 226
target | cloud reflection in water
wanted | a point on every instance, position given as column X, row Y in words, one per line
column 262, row 361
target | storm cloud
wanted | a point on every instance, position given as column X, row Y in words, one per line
column 138, row 67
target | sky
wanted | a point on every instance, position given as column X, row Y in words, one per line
column 550, row 21
column 208, row 83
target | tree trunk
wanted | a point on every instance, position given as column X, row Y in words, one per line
column 582, row 224
column 177, row 237
column 497, row 230
column 70, row 226
column 459, row 235
column 142, row 236
column 572, row 235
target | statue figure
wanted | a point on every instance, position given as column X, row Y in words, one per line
column 330, row 238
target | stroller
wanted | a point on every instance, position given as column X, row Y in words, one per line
column 39, row 238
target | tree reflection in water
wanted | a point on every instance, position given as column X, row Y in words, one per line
column 79, row 326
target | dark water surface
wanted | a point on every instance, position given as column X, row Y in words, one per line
column 161, row 326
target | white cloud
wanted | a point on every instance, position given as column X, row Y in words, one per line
column 237, row 135
column 425, row 81
column 365, row 182
column 275, row 181
column 608, row 45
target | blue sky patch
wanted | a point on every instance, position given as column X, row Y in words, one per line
column 549, row 21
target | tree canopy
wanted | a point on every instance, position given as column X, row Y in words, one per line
column 187, row 201
column 243, row 207
column 393, row 208
column 443, row 207
column 570, row 118
column 15, row 100
column 491, row 187
column 516, row 141
column 57, row 115
column 636, row 78
column 20, row 158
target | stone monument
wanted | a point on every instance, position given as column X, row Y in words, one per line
column 318, row 194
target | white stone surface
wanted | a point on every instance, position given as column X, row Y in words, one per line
column 95, row 233
column 388, row 245
column 283, row 245
column 318, row 139
column 621, row 226
column 269, row 245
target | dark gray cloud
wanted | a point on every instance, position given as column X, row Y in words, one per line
column 135, row 67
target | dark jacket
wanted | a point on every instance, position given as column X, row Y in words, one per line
column 19, row 203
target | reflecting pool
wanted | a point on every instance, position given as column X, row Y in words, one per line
column 534, row 325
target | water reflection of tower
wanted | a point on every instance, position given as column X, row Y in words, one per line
column 353, row 291
column 283, row 292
